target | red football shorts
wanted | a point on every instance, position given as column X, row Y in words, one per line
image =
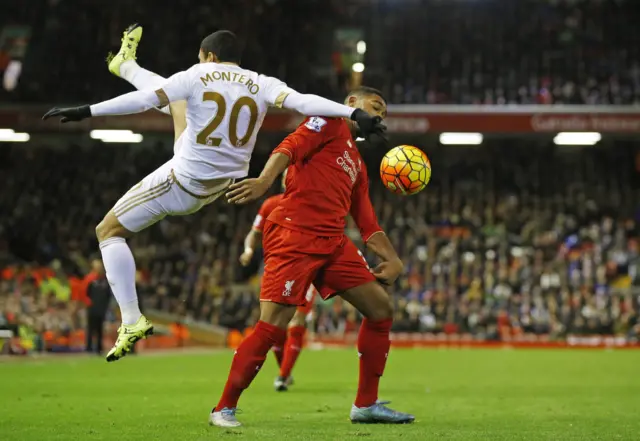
column 293, row 260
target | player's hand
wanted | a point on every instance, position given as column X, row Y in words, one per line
column 245, row 258
column 246, row 191
column 388, row 272
column 69, row 114
column 369, row 124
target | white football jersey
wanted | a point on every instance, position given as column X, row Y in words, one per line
column 226, row 106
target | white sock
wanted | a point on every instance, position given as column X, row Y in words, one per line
column 121, row 273
column 142, row 78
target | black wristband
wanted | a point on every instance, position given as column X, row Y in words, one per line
column 354, row 115
column 85, row 111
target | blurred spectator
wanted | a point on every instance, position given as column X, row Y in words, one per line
column 57, row 284
column 99, row 296
column 38, row 318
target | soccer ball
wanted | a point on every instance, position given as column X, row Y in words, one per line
column 405, row 170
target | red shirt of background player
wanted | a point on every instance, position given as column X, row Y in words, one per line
column 266, row 208
column 326, row 181
column 304, row 241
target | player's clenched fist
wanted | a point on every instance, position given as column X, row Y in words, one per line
column 369, row 124
column 245, row 258
column 388, row 272
column 246, row 191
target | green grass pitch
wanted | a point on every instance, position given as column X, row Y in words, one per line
column 455, row 394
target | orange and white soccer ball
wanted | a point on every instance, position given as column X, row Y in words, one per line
column 405, row 170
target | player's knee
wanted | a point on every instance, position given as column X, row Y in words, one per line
column 101, row 231
column 381, row 306
column 299, row 319
column 385, row 310
column 371, row 300
column 110, row 227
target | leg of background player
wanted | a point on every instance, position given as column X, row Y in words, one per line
column 373, row 339
column 250, row 355
column 278, row 352
column 292, row 348
column 99, row 331
column 89, row 334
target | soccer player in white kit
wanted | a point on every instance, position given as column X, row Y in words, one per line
column 225, row 107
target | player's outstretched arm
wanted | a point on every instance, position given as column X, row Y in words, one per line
column 314, row 105
column 251, row 189
column 251, row 243
column 133, row 102
column 174, row 89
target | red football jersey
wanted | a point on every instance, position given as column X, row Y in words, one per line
column 265, row 210
column 326, row 181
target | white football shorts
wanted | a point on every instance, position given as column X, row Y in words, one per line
column 162, row 194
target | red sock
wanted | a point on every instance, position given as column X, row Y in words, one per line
column 279, row 354
column 248, row 360
column 292, row 349
column 373, row 349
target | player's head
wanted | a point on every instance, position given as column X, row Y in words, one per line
column 220, row 47
column 283, row 182
column 368, row 99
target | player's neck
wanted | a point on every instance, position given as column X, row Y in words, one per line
column 353, row 128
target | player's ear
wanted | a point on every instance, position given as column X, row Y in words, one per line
column 352, row 100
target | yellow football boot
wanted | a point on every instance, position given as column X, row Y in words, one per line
column 130, row 40
column 128, row 335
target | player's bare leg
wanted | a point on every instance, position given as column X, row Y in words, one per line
column 249, row 357
column 373, row 348
column 121, row 273
column 292, row 348
column 124, row 65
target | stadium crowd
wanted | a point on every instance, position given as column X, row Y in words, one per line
column 489, row 52
column 511, row 52
column 505, row 240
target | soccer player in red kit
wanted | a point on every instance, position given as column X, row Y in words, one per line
column 286, row 355
column 304, row 243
